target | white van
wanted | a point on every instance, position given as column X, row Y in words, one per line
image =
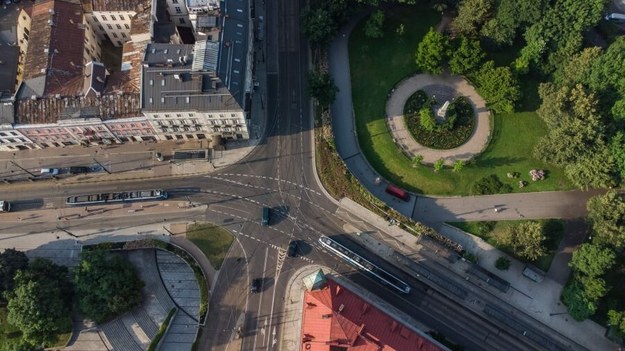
column 616, row 17
column 5, row 206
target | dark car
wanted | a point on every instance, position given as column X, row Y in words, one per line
column 79, row 170
column 291, row 251
column 256, row 285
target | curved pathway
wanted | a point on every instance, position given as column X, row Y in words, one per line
column 404, row 139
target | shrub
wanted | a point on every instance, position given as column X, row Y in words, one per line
column 490, row 185
column 438, row 165
column 427, row 119
column 502, row 263
column 485, row 227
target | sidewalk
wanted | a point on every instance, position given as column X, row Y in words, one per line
column 537, row 301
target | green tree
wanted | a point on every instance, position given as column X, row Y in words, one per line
column 606, row 214
column 592, row 260
column 576, row 138
column 106, row 285
column 578, row 69
column 526, row 239
column 416, row 160
column 466, row 56
column 431, row 52
column 578, row 305
column 594, row 288
column 438, row 165
column 511, row 18
column 11, row 261
column 375, row 24
column 319, row 26
column 592, row 170
column 557, row 35
column 40, row 303
column 322, row 88
column 617, row 148
column 471, row 16
column 617, row 321
column 502, row 263
column 498, row 86
column 458, row 166
column 427, row 119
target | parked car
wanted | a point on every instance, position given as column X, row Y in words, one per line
column 5, row 206
column 291, row 251
column 264, row 221
column 50, row 171
column 256, row 285
column 79, row 170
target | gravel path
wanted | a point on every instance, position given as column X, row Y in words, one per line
column 395, row 118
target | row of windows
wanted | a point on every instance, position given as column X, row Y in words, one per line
column 121, row 17
column 111, row 28
column 180, row 115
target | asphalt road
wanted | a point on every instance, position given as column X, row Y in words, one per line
column 277, row 174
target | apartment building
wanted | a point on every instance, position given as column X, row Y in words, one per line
column 112, row 19
column 183, row 96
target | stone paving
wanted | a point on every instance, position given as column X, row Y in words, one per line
column 444, row 87
column 179, row 281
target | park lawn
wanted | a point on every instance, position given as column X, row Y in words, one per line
column 378, row 64
column 554, row 233
column 214, row 241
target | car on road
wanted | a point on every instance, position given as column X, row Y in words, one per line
column 5, row 206
column 49, row 171
column 293, row 248
column 264, row 221
column 79, row 170
column 158, row 156
column 257, row 284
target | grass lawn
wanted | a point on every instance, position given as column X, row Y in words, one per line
column 554, row 230
column 378, row 64
column 214, row 241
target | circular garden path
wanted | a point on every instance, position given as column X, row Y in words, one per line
column 431, row 85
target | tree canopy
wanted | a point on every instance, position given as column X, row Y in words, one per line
column 557, row 35
column 526, row 239
column 606, row 214
column 498, row 86
column 106, row 285
column 319, row 26
column 471, row 16
column 466, row 56
column 510, row 19
column 431, row 52
column 322, row 88
column 40, row 303
column 375, row 25
column 592, row 260
column 11, row 261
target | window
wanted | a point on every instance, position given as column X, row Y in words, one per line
column 174, row 1
column 178, row 115
column 124, row 35
column 110, row 27
column 113, row 18
column 188, row 99
column 115, row 35
column 181, row 20
column 119, row 26
column 121, row 17
column 119, row 43
column 103, row 18
column 162, row 100
column 167, row 115
column 126, row 25
column 151, row 81
column 162, row 82
column 191, row 115
column 151, row 101
column 101, row 28
column 178, row 10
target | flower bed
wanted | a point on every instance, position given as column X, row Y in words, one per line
column 453, row 132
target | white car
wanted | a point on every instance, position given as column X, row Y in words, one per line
column 616, row 17
column 50, row 171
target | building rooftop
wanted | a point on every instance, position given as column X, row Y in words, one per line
column 8, row 23
column 120, row 5
column 210, row 4
column 335, row 318
column 171, row 84
column 9, row 58
column 50, row 110
column 55, row 50
column 234, row 47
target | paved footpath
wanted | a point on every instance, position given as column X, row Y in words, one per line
column 404, row 139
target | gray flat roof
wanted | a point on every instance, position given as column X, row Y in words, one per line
column 234, row 47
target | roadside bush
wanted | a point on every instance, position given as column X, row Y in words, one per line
column 485, row 227
column 427, row 119
column 502, row 263
column 490, row 185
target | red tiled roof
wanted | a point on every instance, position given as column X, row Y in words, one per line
column 56, row 45
column 335, row 316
